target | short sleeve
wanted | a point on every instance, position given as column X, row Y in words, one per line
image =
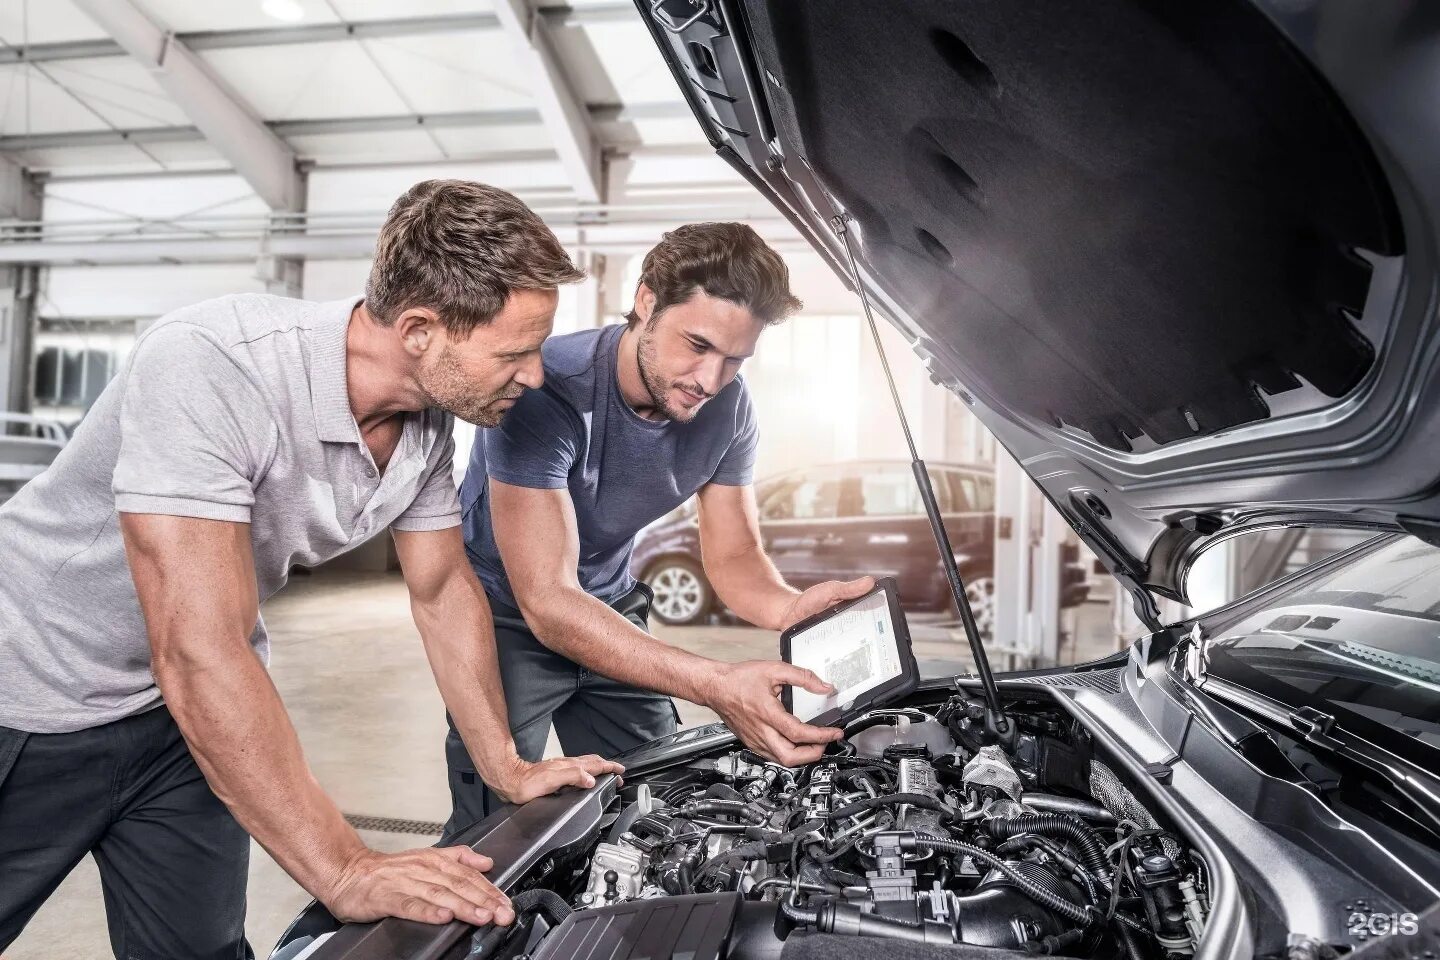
column 437, row 505
column 737, row 466
column 535, row 445
column 195, row 432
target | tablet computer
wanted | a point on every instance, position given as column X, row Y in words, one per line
column 860, row 647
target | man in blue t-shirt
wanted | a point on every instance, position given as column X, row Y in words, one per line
column 632, row 420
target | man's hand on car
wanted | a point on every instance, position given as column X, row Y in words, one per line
column 431, row 885
column 525, row 780
column 823, row 596
column 747, row 697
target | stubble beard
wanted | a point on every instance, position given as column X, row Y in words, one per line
column 446, row 387
column 658, row 389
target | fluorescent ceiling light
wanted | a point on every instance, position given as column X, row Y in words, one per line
column 289, row 11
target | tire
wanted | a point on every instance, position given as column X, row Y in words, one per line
column 683, row 596
column 981, row 594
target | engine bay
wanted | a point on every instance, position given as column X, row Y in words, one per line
column 918, row 828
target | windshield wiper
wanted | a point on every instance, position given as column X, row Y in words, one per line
column 1323, row 732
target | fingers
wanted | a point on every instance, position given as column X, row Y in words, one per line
column 469, row 858
column 598, row 765
column 787, row 754
column 482, row 895
column 445, row 880
column 834, row 591
column 550, row 775
column 798, row 732
column 799, row 677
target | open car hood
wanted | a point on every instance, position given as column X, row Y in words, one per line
column 1179, row 258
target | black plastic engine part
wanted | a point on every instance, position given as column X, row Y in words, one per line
column 905, row 751
column 848, row 919
column 820, row 946
column 697, row 927
column 757, row 932
column 1058, row 764
column 557, row 827
column 999, row 915
column 1159, row 882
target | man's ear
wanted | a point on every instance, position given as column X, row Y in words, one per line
column 420, row 330
column 644, row 302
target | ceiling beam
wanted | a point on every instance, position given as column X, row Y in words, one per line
column 598, row 113
column 574, row 227
column 555, row 16
column 566, row 118
column 265, row 161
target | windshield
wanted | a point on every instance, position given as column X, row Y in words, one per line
column 1359, row 640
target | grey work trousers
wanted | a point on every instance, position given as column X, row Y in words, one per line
column 591, row 713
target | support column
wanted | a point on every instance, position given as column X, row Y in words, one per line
column 934, row 416
column 1045, row 617
column 285, row 276
column 1013, row 559
column 20, row 198
column 1028, row 538
column 615, row 296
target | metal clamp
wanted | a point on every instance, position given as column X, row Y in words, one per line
column 663, row 18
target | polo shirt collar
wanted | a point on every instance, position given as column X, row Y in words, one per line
column 334, row 422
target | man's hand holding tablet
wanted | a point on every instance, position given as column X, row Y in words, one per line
column 861, row 648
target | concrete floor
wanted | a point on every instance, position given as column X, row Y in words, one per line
column 350, row 667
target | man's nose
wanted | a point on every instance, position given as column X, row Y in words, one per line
column 532, row 374
column 711, row 375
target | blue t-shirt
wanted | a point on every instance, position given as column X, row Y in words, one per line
column 623, row 471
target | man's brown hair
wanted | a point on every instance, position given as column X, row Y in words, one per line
column 461, row 248
column 726, row 260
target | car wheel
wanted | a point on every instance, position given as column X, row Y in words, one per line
column 682, row 594
column 981, row 594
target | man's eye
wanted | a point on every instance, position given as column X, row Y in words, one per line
column 696, row 347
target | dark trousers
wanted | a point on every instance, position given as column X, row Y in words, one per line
column 172, row 859
column 591, row 713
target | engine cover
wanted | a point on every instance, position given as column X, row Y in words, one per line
column 695, row 927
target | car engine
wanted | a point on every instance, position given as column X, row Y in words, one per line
column 917, row 827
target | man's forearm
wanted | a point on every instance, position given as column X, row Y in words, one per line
column 577, row 625
column 240, row 735
column 750, row 585
column 459, row 641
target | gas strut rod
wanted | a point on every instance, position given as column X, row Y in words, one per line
column 995, row 721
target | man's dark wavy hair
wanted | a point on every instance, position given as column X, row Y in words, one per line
column 726, row 260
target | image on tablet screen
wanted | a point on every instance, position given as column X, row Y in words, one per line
column 854, row 651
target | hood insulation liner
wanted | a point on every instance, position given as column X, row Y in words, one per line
column 1146, row 217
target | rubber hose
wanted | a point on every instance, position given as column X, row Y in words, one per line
column 721, row 791
column 1070, row 911
column 489, row 939
column 799, row 914
column 1130, row 940
column 1086, row 840
column 842, row 877
column 728, row 808
column 741, row 851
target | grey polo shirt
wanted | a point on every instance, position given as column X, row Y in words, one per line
column 233, row 409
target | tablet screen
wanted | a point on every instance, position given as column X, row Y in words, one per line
column 854, row 651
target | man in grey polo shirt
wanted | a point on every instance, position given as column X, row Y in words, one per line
column 246, row 435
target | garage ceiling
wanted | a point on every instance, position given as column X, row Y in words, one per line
column 341, row 82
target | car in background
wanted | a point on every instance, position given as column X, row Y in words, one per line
column 838, row 522
column 27, row 446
